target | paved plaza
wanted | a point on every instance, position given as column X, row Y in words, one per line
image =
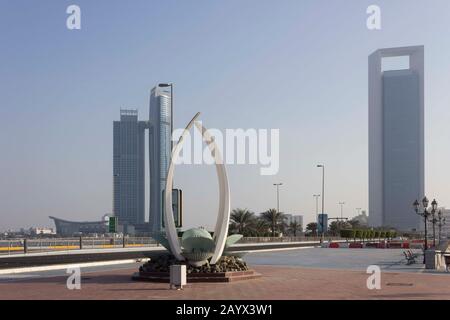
column 290, row 274
column 347, row 259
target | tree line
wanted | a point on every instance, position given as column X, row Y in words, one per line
column 270, row 223
column 367, row 234
column 352, row 229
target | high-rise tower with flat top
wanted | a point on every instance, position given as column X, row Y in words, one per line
column 396, row 139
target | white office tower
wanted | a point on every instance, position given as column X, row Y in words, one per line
column 160, row 152
column 396, row 139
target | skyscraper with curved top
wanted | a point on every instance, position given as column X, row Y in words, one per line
column 160, row 152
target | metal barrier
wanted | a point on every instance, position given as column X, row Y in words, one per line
column 284, row 239
column 17, row 246
column 8, row 247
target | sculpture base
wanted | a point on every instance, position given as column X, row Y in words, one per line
column 232, row 276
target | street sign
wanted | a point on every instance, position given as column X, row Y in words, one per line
column 112, row 224
column 177, row 207
column 322, row 220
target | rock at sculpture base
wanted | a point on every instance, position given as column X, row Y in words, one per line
column 228, row 269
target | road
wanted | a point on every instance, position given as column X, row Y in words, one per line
column 62, row 272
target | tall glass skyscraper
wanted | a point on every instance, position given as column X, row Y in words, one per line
column 396, row 139
column 160, row 152
column 129, row 168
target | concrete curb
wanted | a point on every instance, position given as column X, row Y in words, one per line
column 67, row 266
column 273, row 250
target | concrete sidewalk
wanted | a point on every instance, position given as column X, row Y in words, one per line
column 291, row 283
column 97, row 255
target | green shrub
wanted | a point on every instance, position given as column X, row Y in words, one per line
column 391, row 234
column 347, row 233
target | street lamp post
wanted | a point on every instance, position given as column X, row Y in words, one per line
column 434, row 205
column 323, row 201
column 424, row 215
column 317, row 196
column 278, row 195
column 441, row 223
column 342, row 209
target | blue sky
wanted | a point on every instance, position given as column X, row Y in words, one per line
column 296, row 65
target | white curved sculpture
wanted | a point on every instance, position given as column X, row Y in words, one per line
column 223, row 218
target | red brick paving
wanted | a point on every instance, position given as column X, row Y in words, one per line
column 277, row 283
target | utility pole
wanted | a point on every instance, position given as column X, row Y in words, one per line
column 342, row 209
column 278, row 195
column 323, row 202
column 317, row 196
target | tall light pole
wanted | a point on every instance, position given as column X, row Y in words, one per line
column 317, row 196
column 165, row 85
column 278, row 195
column 342, row 209
column 323, row 200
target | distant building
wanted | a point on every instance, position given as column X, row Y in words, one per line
column 129, row 168
column 67, row 228
column 41, row 231
column 362, row 219
column 294, row 218
column 160, row 149
column 129, row 165
column 396, row 139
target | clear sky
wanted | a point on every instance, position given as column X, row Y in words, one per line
column 296, row 65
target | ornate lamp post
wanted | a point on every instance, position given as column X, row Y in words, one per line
column 434, row 205
column 425, row 215
column 441, row 223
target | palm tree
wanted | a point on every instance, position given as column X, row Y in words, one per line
column 260, row 228
column 294, row 226
column 312, row 227
column 354, row 223
column 275, row 220
column 337, row 226
column 242, row 221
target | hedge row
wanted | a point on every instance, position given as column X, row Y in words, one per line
column 367, row 234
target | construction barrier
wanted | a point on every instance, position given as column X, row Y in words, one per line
column 376, row 245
